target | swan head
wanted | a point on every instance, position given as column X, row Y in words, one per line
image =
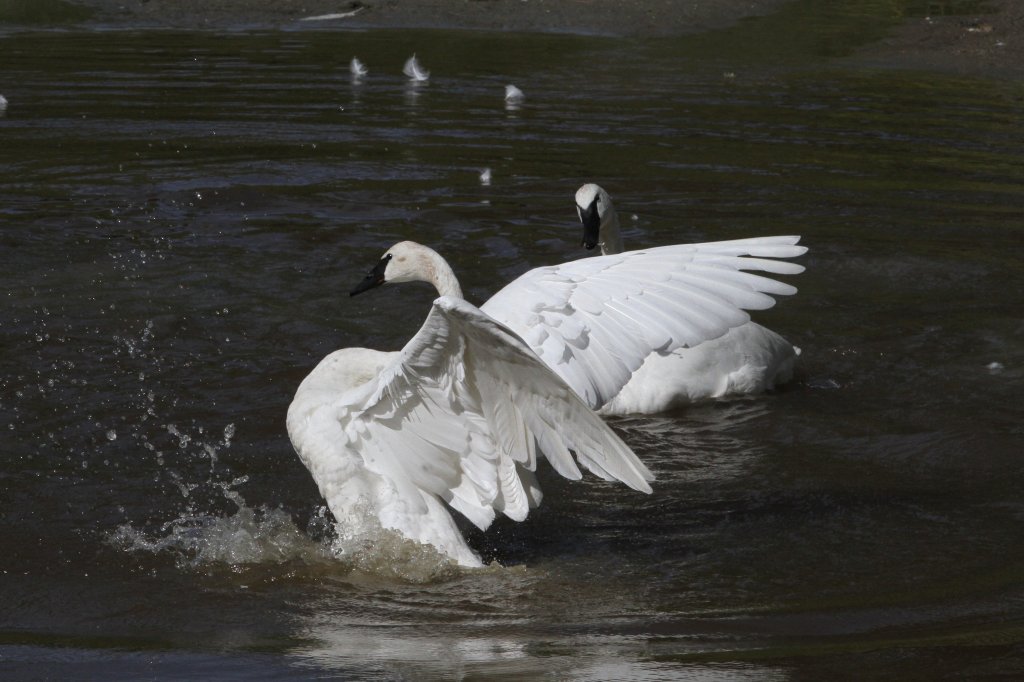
column 411, row 262
column 594, row 206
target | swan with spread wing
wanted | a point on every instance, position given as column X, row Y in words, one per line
column 462, row 414
column 746, row 360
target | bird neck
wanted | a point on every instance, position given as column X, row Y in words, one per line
column 610, row 234
column 437, row 271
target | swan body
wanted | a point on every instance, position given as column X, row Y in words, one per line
column 357, row 68
column 459, row 416
column 513, row 95
column 414, row 71
column 746, row 360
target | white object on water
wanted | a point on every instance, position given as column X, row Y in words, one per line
column 513, row 95
column 995, row 367
column 747, row 359
column 357, row 68
column 414, row 71
column 336, row 15
column 460, row 415
column 3, row 103
column 485, row 177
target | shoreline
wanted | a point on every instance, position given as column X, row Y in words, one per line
column 599, row 17
column 986, row 45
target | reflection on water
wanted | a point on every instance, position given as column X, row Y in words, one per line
column 182, row 215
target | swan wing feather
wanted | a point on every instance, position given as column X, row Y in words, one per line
column 594, row 321
column 463, row 411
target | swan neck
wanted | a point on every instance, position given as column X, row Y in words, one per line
column 441, row 275
column 610, row 234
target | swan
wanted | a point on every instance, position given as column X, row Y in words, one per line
column 414, row 71
column 462, row 413
column 357, row 68
column 513, row 95
column 747, row 359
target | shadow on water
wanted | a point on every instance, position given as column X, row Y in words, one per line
column 182, row 214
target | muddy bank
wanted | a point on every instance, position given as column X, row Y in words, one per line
column 611, row 17
column 989, row 43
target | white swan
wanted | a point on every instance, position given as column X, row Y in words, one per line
column 357, row 68
column 461, row 413
column 414, row 71
column 747, row 359
column 513, row 95
column 596, row 320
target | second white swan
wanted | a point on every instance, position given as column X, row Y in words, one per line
column 746, row 360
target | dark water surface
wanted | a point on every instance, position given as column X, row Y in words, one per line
column 182, row 215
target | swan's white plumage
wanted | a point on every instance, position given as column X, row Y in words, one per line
column 357, row 68
column 414, row 71
column 513, row 95
column 596, row 320
column 461, row 414
column 747, row 359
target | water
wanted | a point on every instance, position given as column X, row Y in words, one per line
column 183, row 214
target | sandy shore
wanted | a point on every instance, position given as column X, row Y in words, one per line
column 985, row 45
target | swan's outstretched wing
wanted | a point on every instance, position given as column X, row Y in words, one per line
column 462, row 412
column 595, row 320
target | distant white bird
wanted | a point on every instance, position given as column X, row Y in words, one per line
column 513, row 95
column 747, row 359
column 3, row 103
column 485, row 177
column 357, row 68
column 414, row 71
column 460, row 415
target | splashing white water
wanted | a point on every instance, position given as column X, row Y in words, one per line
column 261, row 536
column 249, row 536
column 387, row 554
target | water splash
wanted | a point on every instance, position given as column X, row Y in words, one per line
column 384, row 553
column 249, row 536
column 261, row 536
